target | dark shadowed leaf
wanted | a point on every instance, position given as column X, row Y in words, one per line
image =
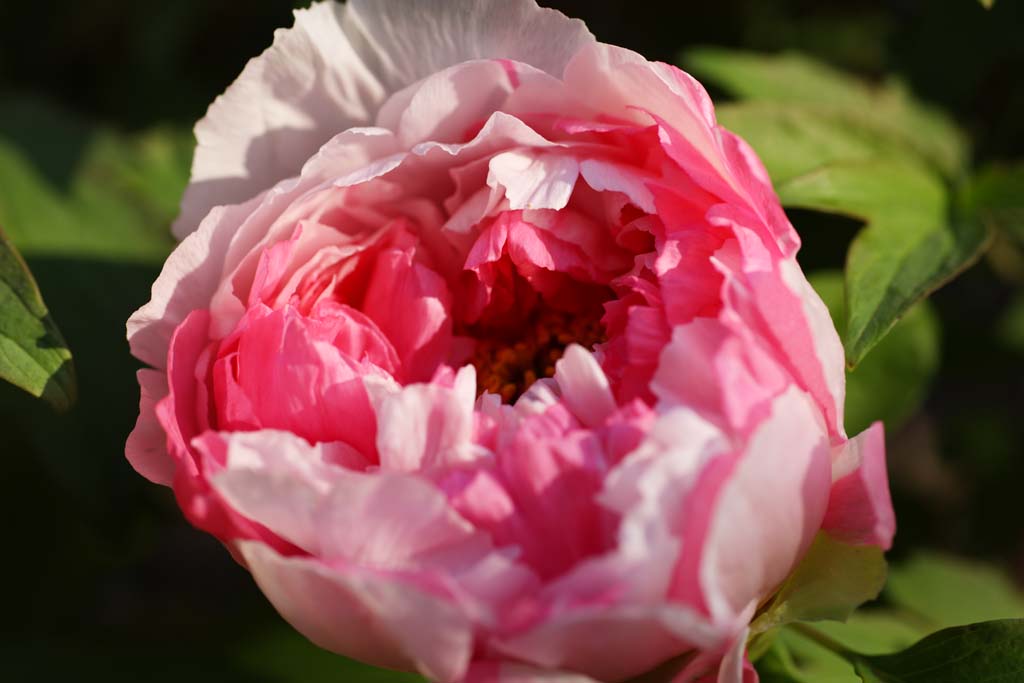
column 996, row 196
column 989, row 652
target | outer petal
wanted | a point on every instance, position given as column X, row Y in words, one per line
column 334, row 69
column 378, row 618
column 308, row 86
column 385, row 520
column 147, row 444
column 406, row 40
column 769, row 509
column 503, row 672
column 859, row 508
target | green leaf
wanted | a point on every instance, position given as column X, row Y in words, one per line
column 33, row 355
column 833, row 143
column 996, row 196
column 116, row 208
column 949, row 591
column 795, row 658
column 989, row 652
column 910, row 247
column 793, row 141
column 874, row 631
column 804, row 84
column 831, row 581
column 892, row 381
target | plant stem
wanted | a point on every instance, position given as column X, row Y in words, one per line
column 825, row 641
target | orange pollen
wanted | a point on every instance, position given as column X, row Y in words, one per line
column 508, row 367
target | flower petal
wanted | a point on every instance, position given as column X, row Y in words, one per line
column 769, row 509
column 146, row 448
column 583, row 386
column 859, row 507
column 372, row 616
column 309, row 85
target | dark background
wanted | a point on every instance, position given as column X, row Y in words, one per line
column 103, row 578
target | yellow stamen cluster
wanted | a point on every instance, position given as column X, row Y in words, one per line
column 507, row 366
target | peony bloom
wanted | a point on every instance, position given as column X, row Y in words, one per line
column 486, row 351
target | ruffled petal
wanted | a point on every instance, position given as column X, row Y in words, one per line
column 859, row 507
column 146, row 447
column 376, row 617
column 311, row 84
column 334, row 69
column 390, row 520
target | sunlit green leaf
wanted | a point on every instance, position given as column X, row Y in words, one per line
column 807, row 85
column 831, row 581
column 950, row 591
column 794, row 658
column 909, row 247
column 116, row 207
column 892, row 381
column 33, row 355
column 875, row 631
column 833, row 143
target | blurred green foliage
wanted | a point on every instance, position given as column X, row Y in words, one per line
column 96, row 101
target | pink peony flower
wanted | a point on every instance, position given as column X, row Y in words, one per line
column 486, row 351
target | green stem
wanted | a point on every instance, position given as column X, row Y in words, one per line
column 825, row 641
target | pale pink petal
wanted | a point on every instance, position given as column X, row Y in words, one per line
column 448, row 106
column 147, row 444
column 386, row 520
column 189, row 277
column 723, row 375
column 428, row 425
column 533, row 179
column 608, row 642
column 606, row 175
column 828, row 347
column 769, row 509
column 859, row 507
column 621, row 84
column 309, row 86
column 406, row 40
column 712, row 667
column 376, row 617
column 506, row 672
column 583, row 386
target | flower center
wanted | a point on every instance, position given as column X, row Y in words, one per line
column 509, row 361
